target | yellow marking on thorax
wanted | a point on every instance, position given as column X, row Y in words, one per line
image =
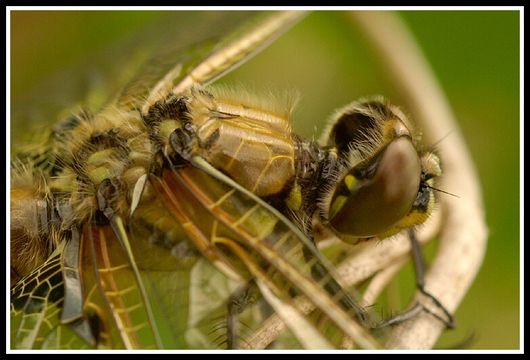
column 100, row 157
column 104, row 164
column 167, row 127
column 294, row 200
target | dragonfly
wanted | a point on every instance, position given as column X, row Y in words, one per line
column 175, row 214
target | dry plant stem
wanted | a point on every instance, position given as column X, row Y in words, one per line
column 464, row 233
column 379, row 258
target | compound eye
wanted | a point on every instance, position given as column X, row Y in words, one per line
column 373, row 205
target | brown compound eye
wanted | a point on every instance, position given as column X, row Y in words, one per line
column 373, row 205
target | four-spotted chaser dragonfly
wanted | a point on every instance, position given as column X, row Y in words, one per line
column 178, row 214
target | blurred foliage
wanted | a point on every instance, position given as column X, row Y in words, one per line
column 474, row 53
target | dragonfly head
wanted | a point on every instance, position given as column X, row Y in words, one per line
column 383, row 183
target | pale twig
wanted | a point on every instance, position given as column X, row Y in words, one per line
column 464, row 233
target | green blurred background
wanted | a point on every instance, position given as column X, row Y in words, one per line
column 474, row 53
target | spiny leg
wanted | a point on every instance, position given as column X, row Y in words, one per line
column 237, row 303
column 419, row 268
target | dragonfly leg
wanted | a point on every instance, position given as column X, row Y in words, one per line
column 237, row 303
column 419, row 268
column 184, row 141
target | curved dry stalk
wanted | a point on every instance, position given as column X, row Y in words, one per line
column 464, row 233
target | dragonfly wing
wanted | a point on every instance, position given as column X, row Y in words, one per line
column 180, row 286
column 36, row 304
column 183, row 40
column 253, row 239
column 92, row 303
column 124, row 72
column 238, row 47
column 121, row 287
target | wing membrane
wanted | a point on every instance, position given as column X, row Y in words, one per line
column 174, row 47
column 254, row 240
column 121, row 289
column 238, row 47
column 36, row 304
column 125, row 72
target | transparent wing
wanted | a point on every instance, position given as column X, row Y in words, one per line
column 158, row 55
column 245, row 235
column 165, row 259
column 91, row 302
column 36, row 304
column 190, row 299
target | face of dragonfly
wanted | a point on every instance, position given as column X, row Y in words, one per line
column 385, row 182
column 167, row 213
